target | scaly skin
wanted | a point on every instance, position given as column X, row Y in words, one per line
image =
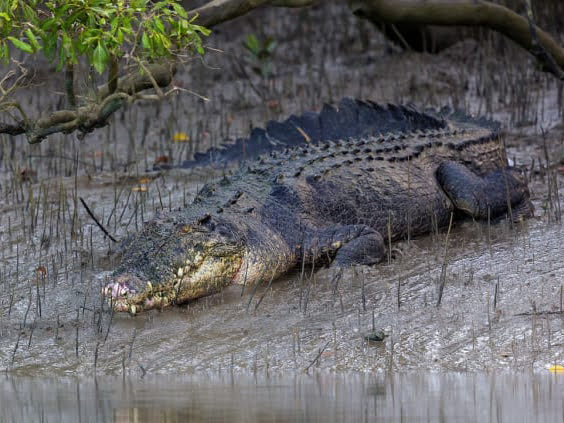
column 326, row 200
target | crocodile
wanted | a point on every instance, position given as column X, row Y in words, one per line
column 331, row 188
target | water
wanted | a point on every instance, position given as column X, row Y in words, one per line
column 324, row 397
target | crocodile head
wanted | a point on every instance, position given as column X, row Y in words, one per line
column 171, row 262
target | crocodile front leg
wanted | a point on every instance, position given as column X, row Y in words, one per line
column 345, row 245
column 366, row 249
column 495, row 194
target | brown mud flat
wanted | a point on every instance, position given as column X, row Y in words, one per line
column 501, row 307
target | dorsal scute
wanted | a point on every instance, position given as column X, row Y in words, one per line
column 350, row 119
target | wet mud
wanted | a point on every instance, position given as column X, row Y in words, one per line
column 501, row 306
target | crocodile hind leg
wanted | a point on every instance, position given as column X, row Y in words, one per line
column 498, row 193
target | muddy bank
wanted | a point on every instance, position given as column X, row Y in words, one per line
column 501, row 305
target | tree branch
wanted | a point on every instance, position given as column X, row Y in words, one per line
column 85, row 119
column 463, row 13
column 95, row 115
column 12, row 129
column 138, row 80
column 218, row 11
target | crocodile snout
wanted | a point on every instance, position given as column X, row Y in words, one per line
column 121, row 292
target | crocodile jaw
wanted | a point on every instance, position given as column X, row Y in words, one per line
column 122, row 295
column 127, row 292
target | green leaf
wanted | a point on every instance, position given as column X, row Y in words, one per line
column 126, row 25
column 252, row 44
column 4, row 52
column 201, row 29
column 50, row 25
column 21, row 44
column 32, row 39
column 37, row 31
column 139, row 4
column 120, row 36
column 145, row 41
column 159, row 25
column 67, row 48
column 49, row 46
column 180, row 11
column 91, row 40
column 100, row 57
column 165, row 41
column 157, row 44
column 29, row 13
column 100, row 11
column 114, row 23
column 62, row 60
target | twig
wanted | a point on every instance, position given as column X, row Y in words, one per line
column 445, row 261
column 538, row 313
column 317, row 356
column 96, row 220
column 266, row 289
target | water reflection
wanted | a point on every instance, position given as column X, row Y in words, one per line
column 419, row 397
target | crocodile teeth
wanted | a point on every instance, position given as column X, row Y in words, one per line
column 115, row 290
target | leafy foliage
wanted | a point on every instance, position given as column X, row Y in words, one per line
column 101, row 30
column 260, row 54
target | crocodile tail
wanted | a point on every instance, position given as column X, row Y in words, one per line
column 350, row 119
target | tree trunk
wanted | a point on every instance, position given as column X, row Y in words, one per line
column 465, row 13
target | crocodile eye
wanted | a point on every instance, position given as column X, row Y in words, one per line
column 204, row 223
column 204, row 219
